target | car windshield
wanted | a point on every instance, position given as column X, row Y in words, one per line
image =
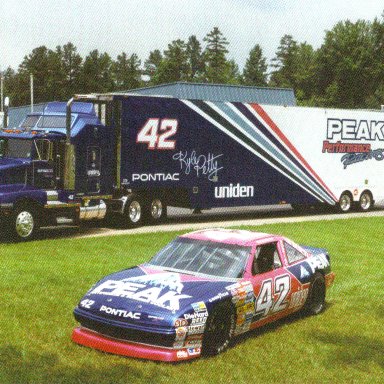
column 203, row 257
column 17, row 148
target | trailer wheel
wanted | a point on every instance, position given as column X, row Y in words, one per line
column 366, row 201
column 24, row 223
column 157, row 210
column 133, row 211
column 345, row 202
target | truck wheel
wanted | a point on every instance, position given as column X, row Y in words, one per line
column 366, row 201
column 24, row 223
column 133, row 211
column 316, row 296
column 345, row 202
column 157, row 210
column 218, row 329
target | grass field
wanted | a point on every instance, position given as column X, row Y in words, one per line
column 42, row 281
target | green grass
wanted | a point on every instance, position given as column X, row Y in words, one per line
column 42, row 281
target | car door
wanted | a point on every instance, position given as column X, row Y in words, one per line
column 271, row 282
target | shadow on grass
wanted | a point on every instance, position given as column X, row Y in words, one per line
column 17, row 367
column 271, row 327
column 352, row 350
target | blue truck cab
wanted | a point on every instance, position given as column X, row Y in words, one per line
column 50, row 178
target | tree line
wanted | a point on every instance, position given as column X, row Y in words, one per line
column 346, row 71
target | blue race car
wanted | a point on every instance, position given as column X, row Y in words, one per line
column 199, row 291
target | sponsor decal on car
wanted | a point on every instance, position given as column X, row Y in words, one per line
column 181, row 323
column 194, row 351
column 298, row 298
column 162, row 290
column 199, row 306
column 181, row 333
column 318, row 262
column 196, row 329
column 86, row 303
column 120, row 312
column 181, row 354
column 219, row 296
column 194, row 341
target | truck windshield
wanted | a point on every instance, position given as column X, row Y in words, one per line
column 29, row 122
column 52, row 122
column 203, row 257
column 16, row 148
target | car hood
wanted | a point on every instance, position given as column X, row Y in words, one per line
column 147, row 294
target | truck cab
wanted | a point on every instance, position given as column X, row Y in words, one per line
column 48, row 178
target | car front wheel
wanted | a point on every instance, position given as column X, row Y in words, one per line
column 219, row 329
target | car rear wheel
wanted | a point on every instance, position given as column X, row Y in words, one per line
column 316, row 296
column 219, row 329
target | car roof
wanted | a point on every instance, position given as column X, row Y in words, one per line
column 231, row 236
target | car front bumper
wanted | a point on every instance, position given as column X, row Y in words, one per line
column 103, row 343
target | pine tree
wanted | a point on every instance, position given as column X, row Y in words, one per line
column 255, row 70
column 151, row 65
column 284, row 63
column 71, row 65
column 96, row 73
column 174, row 66
column 217, row 66
column 195, row 59
column 127, row 72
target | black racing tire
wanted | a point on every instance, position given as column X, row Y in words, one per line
column 365, row 201
column 315, row 302
column 218, row 329
column 24, row 223
column 133, row 215
column 345, row 203
column 156, row 210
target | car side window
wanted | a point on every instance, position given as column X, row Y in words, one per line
column 292, row 253
column 266, row 259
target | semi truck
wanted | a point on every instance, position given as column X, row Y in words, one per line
column 128, row 157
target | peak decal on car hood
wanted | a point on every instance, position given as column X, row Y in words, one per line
column 160, row 289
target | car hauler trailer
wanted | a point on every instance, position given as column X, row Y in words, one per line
column 131, row 156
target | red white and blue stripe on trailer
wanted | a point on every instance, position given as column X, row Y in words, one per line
column 250, row 126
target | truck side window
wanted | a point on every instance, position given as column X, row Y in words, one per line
column 43, row 150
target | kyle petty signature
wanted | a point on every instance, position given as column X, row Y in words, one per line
column 203, row 165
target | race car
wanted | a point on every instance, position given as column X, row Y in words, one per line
column 199, row 291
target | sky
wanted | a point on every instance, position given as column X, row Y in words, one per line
column 140, row 26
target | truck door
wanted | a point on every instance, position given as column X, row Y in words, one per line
column 43, row 165
column 93, row 169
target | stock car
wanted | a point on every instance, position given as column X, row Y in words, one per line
column 199, row 291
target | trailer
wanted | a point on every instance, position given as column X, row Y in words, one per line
column 127, row 157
